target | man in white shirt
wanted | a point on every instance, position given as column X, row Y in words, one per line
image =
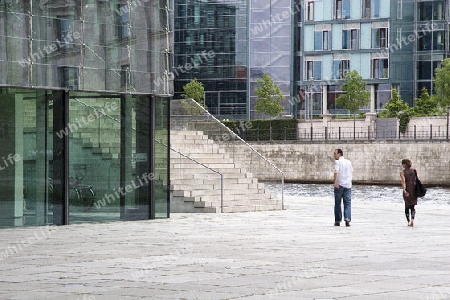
column 342, row 188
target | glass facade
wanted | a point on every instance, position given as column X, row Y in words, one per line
column 84, row 98
column 270, row 47
column 211, row 44
column 432, row 47
column 392, row 44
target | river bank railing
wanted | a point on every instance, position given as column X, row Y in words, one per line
column 340, row 133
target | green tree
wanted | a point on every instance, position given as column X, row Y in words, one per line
column 195, row 90
column 425, row 105
column 442, row 83
column 355, row 94
column 269, row 97
column 397, row 108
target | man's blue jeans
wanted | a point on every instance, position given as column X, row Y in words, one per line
column 345, row 194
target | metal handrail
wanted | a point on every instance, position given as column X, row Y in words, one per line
column 203, row 111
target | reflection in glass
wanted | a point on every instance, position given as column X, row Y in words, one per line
column 211, row 45
column 26, row 153
column 48, row 48
column 94, row 165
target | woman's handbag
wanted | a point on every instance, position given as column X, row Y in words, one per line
column 420, row 188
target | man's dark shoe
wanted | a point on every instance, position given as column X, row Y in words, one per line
column 337, row 224
column 347, row 223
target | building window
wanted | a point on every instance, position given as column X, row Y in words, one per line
column 379, row 38
column 342, row 9
column 438, row 40
column 431, row 10
column 123, row 22
column 125, row 77
column 326, row 41
column 424, row 70
column 380, row 68
column 399, row 9
column 64, row 34
column 439, row 10
column 340, row 68
column 196, row 15
column 69, row 77
column 321, row 40
column 310, row 11
column 350, row 39
column 313, row 70
column 424, row 41
column 370, row 9
column 399, row 34
column 333, row 93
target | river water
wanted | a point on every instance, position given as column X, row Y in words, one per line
column 371, row 193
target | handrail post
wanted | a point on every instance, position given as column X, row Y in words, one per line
column 234, row 150
column 448, row 115
column 221, row 192
column 282, row 191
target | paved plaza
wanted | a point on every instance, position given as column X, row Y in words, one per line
column 292, row 254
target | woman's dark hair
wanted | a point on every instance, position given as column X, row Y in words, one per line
column 406, row 162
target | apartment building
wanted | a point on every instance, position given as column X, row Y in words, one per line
column 392, row 44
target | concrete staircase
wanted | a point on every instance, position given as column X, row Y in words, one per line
column 195, row 188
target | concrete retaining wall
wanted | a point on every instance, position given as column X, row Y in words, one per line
column 373, row 162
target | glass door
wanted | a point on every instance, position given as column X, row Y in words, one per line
column 94, row 157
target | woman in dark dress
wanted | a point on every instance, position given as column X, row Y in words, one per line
column 409, row 194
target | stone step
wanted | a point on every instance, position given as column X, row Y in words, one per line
column 209, row 185
column 189, row 205
column 237, row 199
column 228, row 195
column 195, row 174
column 201, row 157
column 189, row 180
column 236, row 209
column 185, row 132
column 195, row 148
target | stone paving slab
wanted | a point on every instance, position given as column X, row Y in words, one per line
column 291, row 254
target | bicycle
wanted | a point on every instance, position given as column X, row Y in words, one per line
column 79, row 194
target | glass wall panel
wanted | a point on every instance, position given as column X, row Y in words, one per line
column 65, row 45
column 162, row 157
column 94, row 157
column 26, row 157
column 118, row 163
